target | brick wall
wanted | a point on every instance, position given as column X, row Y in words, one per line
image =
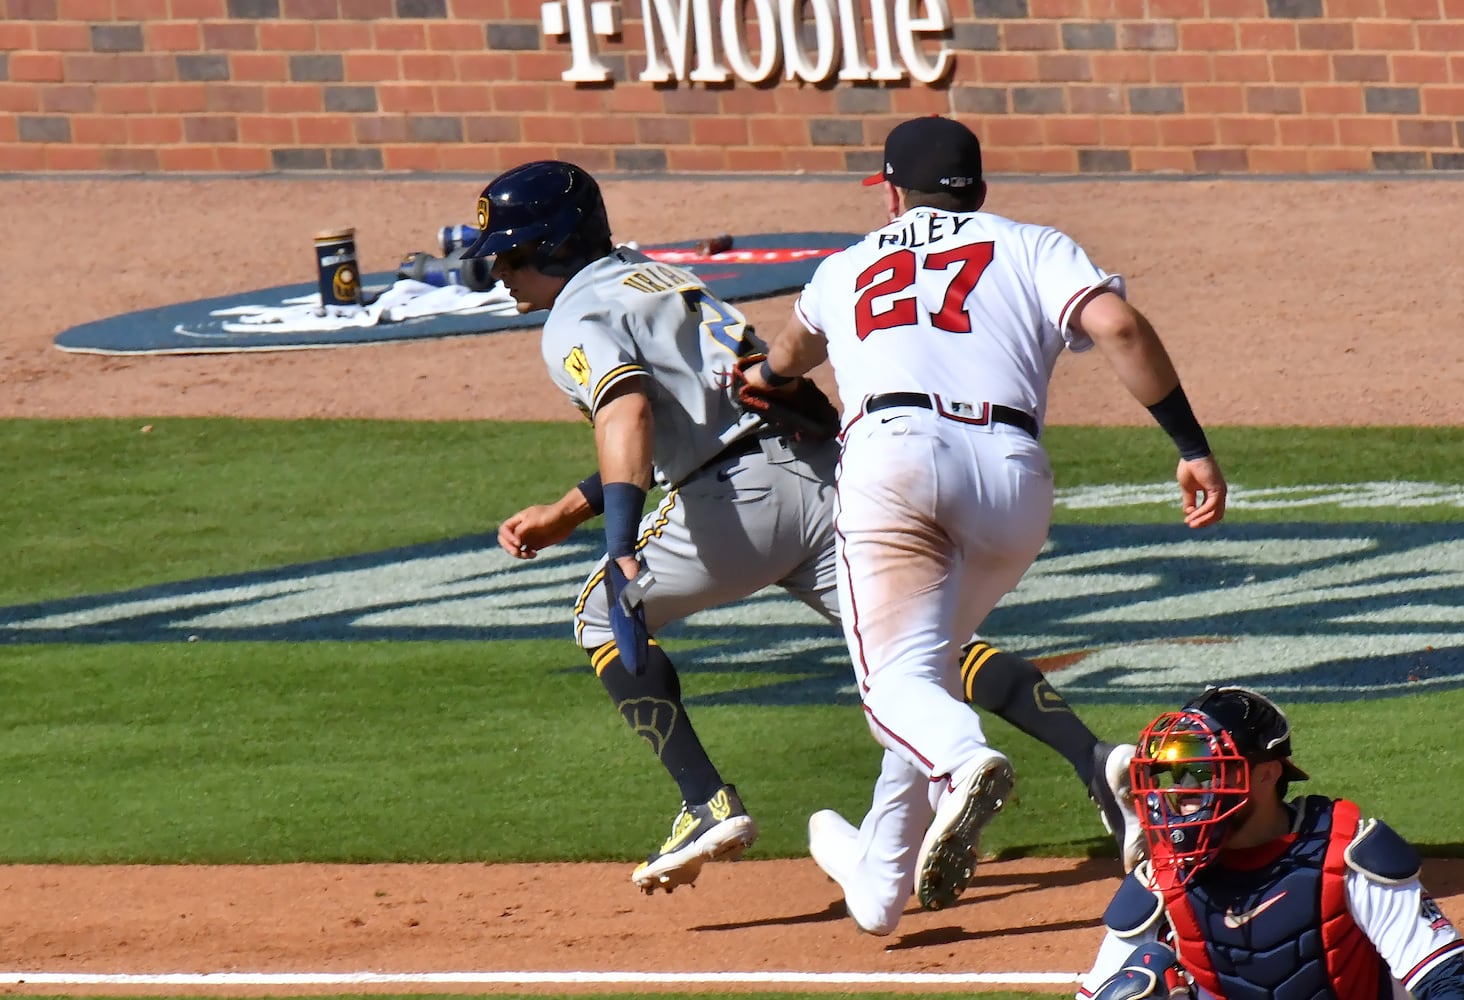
column 1052, row 86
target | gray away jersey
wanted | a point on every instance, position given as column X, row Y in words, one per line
column 627, row 315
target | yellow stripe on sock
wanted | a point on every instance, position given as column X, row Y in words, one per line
column 980, row 653
column 603, row 657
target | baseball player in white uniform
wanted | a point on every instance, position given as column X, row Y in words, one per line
column 644, row 350
column 943, row 328
column 1251, row 897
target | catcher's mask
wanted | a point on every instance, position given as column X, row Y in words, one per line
column 1191, row 775
column 549, row 213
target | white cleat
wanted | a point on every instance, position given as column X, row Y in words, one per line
column 1112, row 791
column 833, row 841
column 947, row 859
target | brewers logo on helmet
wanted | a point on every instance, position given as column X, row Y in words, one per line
column 551, row 208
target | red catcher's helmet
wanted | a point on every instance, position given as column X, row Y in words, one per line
column 1191, row 774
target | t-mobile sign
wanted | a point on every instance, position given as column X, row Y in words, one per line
column 712, row 41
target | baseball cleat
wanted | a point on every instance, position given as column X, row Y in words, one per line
column 717, row 830
column 1112, row 791
column 832, row 842
column 947, row 859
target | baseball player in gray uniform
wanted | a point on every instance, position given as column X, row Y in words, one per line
column 645, row 351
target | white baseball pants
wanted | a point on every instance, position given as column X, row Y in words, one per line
column 936, row 521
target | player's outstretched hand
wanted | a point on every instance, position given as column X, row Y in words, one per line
column 1202, row 485
column 534, row 528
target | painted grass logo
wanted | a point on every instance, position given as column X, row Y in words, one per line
column 1116, row 613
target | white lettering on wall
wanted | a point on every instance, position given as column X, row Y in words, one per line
column 735, row 25
column 907, row 26
column 799, row 63
column 709, row 41
column 583, row 20
column 669, row 19
column 884, row 57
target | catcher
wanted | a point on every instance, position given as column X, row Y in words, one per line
column 655, row 362
column 1247, row 895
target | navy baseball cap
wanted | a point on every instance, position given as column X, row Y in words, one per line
column 931, row 154
column 1259, row 728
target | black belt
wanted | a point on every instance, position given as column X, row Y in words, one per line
column 993, row 413
column 743, row 446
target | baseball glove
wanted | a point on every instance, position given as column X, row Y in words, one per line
column 798, row 410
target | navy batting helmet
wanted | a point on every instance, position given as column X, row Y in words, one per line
column 550, row 206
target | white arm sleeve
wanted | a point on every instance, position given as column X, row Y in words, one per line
column 1404, row 923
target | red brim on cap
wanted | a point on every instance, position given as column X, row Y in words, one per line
column 873, row 179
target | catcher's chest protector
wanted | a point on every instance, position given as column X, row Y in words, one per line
column 1281, row 931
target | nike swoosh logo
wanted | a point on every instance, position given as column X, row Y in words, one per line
column 724, row 476
column 1235, row 921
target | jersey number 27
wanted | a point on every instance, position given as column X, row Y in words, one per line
column 900, row 274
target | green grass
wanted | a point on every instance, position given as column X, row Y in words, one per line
column 99, row 505
column 473, row 751
column 1262, row 456
column 233, row 752
column 1258, row 457
column 217, row 751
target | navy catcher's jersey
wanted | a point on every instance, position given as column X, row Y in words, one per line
column 1299, row 918
column 1272, row 923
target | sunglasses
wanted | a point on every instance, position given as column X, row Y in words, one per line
column 1181, row 762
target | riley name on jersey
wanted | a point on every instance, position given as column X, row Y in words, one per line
column 924, row 230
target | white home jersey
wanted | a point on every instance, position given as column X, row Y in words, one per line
column 627, row 315
column 963, row 305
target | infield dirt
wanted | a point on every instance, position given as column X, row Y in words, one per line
column 1283, row 303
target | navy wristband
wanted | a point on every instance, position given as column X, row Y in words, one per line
column 594, row 493
column 772, row 378
column 623, row 505
column 1174, row 415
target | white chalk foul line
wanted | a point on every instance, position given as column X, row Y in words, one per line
column 551, row 978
